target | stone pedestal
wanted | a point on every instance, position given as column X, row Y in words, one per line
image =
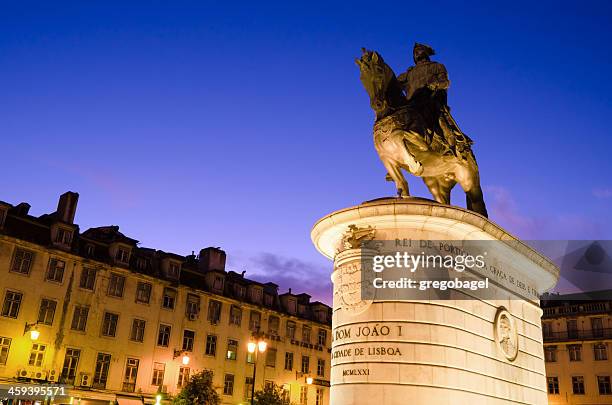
column 463, row 351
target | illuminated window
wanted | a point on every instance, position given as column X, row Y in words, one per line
column 22, row 261
column 232, row 349
column 46, row 311
column 12, row 303
column 37, row 355
column 55, row 272
column 158, row 374
column 116, row 283
column 304, row 395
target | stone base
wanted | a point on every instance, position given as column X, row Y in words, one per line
column 434, row 351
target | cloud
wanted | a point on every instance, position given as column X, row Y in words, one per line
column 504, row 210
column 289, row 272
column 602, row 192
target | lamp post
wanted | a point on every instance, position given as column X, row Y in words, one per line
column 254, row 348
column 33, row 329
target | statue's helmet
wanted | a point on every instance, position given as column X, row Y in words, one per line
column 422, row 51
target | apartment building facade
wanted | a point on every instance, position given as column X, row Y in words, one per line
column 117, row 323
column 577, row 344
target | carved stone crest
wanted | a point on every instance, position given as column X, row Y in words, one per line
column 506, row 335
column 354, row 237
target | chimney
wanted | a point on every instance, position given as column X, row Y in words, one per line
column 66, row 207
column 22, row 209
column 212, row 258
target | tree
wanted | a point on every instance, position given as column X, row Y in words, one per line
column 271, row 395
column 198, row 391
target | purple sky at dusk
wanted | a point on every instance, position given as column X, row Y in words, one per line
column 197, row 124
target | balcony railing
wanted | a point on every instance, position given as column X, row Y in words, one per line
column 589, row 334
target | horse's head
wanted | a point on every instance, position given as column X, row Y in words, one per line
column 377, row 78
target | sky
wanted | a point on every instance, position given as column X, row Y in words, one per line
column 239, row 125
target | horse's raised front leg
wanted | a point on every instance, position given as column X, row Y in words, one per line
column 398, row 177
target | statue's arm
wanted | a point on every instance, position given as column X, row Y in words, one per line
column 439, row 80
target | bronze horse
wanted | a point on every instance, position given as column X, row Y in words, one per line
column 403, row 141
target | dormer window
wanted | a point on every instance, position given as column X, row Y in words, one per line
column 2, row 216
column 268, row 299
column 256, row 295
column 291, row 306
column 218, row 283
column 90, row 250
column 61, row 236
column 239, row 290
column 173, row 270
column 122, row 255
column 142, row 263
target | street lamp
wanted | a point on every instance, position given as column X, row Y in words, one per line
column 33, row 329
column 254, row 349
column 185, row 359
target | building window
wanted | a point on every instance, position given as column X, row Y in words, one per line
column 143, row 292
column 46, row 311
column 218, row 283
column 291, row 306
column 5, row 346
column 550, row 354
column 304, row 395
column 290, row 332
column 169, row 298
column 63, row 236
column 90, row 250
column 228, row 384
column 319, row 397
column 321, row 367
column 256, row 295
column 305, row 364
column 138, row 330
column 79, row 318
column 214, row 311
column 142, row 263
column 239, row 290
column 254, row 321
column 271, row 358
column 109, row 324
column 322, row 337
column 163, row 337
column 193, row 307
column 572, row 328
column 268, row 300
column 250, row 358
column 158, row 374
column 578, row 385
column 211, row 345
column 12, row 303
column 115, row 285
column 273, row 323
column 547, row 329
column 131, row 373
column 599, row 352
column 289, row 361
column 101, row 374
column 188, row 338
column 235, row 315
column 248, row 388
column 122, row 256
column 183, row 377
column 173, row 270
column 22, row 261
column 305, row 334
column 603, row 382
column 88, row 278
column 37, row 355
column 597, row 327
column 55, row 272
column 575, row 352
column 232, row 349
column 268, row 384
column 71, row 361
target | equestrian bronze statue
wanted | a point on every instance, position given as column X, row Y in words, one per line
column 415, row 131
